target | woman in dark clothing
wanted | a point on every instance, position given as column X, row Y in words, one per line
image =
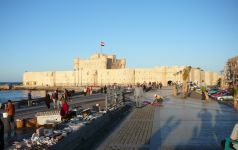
column 101, row 89
column 105, row 89
column 47, row 100
column 1, row 135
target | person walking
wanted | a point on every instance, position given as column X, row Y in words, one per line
column 29, row 95
column 88, row 92
column 101, row 89
column 10, row 117
column 59, row 101
column 105, row 89
column 1, row 135
column 71, row 96
column 82, row 90
column 157, row 85
column 160, row 85
column 66, row 95
column 47, row 100
column 64, row 110
column 203, row 86
column 54, row 98
column 138, row 94
column 85, row 91
column 144, row 87
column 29, row 98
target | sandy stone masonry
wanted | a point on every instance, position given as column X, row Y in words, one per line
column 102, row 69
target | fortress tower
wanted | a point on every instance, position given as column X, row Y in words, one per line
column 102, row 69
column 76, row 63
column 123, row 63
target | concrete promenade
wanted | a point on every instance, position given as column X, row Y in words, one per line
column 180, row 124
column 30, row 111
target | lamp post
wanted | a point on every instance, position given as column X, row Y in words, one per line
column 81, row 76
column 78, row 77
column 222, row 71
column 189, row 68
column 87, row 78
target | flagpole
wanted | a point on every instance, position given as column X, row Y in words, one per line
column 101, row 49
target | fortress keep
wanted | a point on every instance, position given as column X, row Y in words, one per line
column 102, row 69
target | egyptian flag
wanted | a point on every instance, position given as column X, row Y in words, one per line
column 102, row 43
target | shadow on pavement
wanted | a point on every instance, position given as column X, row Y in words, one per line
column 157, row 134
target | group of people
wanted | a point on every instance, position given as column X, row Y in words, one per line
column 159, row 85
column 57, row 98
column 138, row 94
column 104, row 88
column 86, row 91
column 11, row 114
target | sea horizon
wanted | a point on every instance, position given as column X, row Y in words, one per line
column 12, row 83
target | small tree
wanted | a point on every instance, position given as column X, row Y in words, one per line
column 235, row 95
column 175, row 90
column 185, row 77
column 198, row 68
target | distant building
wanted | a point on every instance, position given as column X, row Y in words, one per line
column 231, row 71
column 103, row 69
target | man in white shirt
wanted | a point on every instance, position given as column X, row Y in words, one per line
column 138, row 94
column 203, row 84
column 233, row 137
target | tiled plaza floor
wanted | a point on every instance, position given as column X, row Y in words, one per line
column 180, row 124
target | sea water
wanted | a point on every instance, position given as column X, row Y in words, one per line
column 17, row 95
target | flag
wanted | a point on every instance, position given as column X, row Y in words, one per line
column 102, row 43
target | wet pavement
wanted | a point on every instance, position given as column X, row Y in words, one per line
column 30, row 111
column 180, row 124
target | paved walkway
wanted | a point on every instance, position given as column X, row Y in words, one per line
column 180, row 124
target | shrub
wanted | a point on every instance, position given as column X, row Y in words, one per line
column 234, row 91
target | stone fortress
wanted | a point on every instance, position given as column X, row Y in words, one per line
column 102, row 69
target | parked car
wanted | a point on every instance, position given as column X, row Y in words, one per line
column 215, row 95
column 200, row 89
column 225, row 97
column 193, row 85
column 213, row 92
column 217, row 92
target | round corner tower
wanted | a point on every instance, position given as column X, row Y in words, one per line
column 123, row 63
column 76, row 63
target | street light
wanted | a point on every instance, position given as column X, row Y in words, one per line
column 189, row 68
column 87, row 78
column 81, row 76
column 222, row 71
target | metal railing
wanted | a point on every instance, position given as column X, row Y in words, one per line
column 113, row 98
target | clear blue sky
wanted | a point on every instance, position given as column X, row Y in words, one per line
column 42, row 35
